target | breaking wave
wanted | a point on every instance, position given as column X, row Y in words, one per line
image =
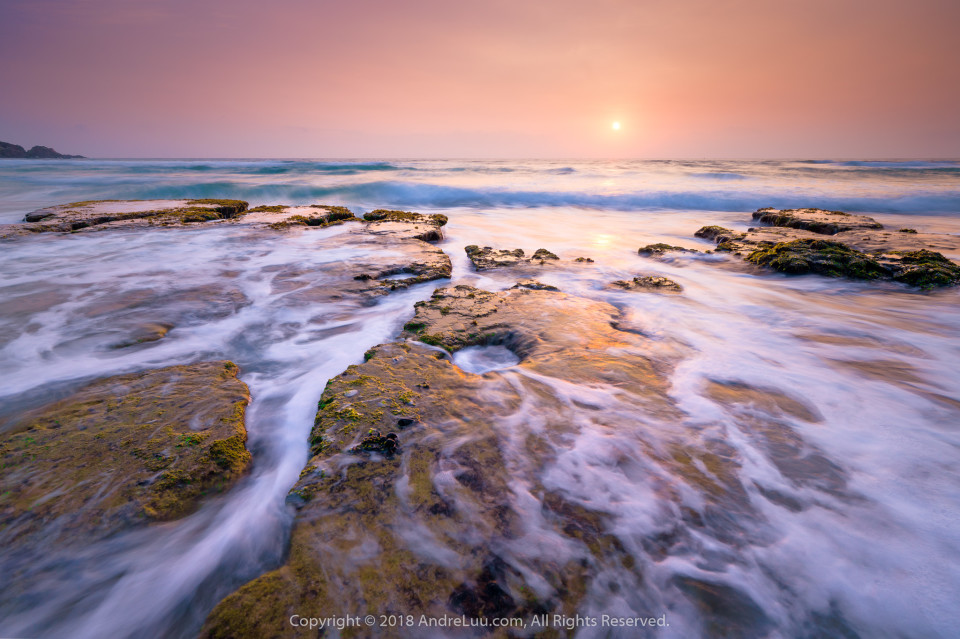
column 416, row 194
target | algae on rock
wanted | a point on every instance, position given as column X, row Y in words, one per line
column 123, row 451
column 858, row 247
column 426, row 527
column 818, row 256
column 487, row 258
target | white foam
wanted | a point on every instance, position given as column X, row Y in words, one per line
column 483, row 359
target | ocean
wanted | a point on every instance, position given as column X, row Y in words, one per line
column 639, row 185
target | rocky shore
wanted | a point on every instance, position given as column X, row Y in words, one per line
column 428, row 487
column 837, row 244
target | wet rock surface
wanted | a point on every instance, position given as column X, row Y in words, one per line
column 437, row 526
column 467, row 518
column 567, row 480
column 281, row 217
column 486, row 258
column 535, row 285
column 816, row 220
column 660, row 249
column 837, row 244
column 120, row 452
column 102, row 214
column 649, row 283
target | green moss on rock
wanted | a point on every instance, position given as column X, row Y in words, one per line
column 378, row 215
column 658, row 249
column 124, row 450
column 824, row 257
column 544, row 254
column 225, row 208
column 716, row 233
column 927, row 269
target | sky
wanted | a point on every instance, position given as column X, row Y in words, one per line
column 487, row 79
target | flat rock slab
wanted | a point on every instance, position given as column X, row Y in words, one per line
column 407, row 258
column 411, row 503
column 816, row 220
column 122, row 451
column 125, row 213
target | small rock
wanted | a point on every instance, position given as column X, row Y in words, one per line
column 656, row 250
column 535, row 285
column 374, row 442
column 649, row 282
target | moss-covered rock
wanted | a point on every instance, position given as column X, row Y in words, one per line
column 268, row 208
column 818, row 256
column 660, row 248
column 486, row 258
column 858, row 248
column 315, row 215
column 430, row 526
column 105, row 214
column 428, row 226
column 926, row 269
column 377, row 215
column 123, row 451
column 649, row 283
column 544, row 254
column 716, row 233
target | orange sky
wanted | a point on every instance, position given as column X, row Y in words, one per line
column 424, row 78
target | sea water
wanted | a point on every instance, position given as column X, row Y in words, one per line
column 870, row 535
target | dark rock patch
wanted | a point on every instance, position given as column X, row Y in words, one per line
column 649, row 283
column 660, row 248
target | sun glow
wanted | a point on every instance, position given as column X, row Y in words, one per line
column 616, row 126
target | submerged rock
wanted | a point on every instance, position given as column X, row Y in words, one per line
column 649, row 283
column 431, row 529
column 122, row 451
column 858, row 247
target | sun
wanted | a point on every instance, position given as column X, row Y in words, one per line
column 616, row 126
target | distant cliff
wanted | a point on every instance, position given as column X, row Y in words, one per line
column 8, row 150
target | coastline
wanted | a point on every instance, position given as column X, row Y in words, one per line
column 667, row 443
